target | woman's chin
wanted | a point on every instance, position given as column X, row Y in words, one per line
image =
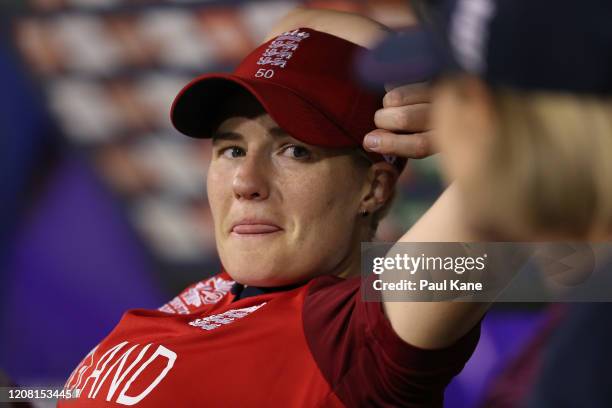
column 264, row 261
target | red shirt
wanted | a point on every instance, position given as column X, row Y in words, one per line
column 317, row 345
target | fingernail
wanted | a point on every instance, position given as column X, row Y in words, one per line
column 372, row 141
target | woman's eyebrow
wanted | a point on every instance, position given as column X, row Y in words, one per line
column 279, row 132
column 220, row 135
column 226, row 136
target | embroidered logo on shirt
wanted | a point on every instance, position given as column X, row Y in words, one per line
column 207, row 292
column 214, row 321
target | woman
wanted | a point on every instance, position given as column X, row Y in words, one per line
column 523, row 117
column 292, row 195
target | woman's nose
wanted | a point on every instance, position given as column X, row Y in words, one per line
column 250, row 181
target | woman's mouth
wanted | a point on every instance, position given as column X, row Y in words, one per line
column 254, row 227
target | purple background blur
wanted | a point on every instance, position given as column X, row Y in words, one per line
column 73, row 252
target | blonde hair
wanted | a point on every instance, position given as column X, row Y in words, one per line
column 548, row 168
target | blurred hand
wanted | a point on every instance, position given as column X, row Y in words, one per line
column 403, row 123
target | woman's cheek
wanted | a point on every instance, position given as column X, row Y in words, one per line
column 219, row 193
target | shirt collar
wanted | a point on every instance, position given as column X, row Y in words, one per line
column 241, row 291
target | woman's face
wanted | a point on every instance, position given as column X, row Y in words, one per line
column 283, row 211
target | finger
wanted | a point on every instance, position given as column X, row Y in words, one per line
column 407, row 95
column 414, row 146
column 404, row 119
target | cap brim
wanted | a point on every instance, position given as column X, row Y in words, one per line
column 201, row 106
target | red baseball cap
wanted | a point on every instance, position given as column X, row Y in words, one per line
column 306, row 81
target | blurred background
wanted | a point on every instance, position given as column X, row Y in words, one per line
column 102, row 203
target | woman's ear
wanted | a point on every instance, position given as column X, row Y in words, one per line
column 480, row 101
column 463, row 100
column 379, row 187
column 463, row 117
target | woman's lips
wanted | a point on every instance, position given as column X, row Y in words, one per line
column 244, row 229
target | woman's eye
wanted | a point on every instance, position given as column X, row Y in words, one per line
column 297, row 152
column 233, row 151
